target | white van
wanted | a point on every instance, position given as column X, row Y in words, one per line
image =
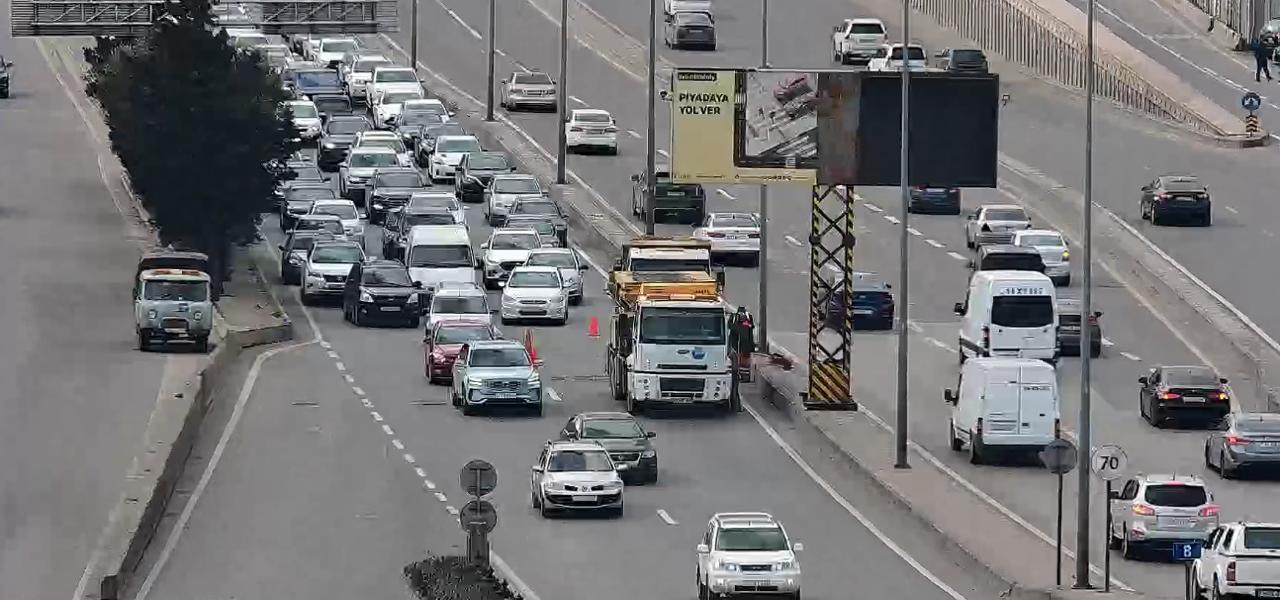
column 1003, row 404
column 436, row 254
column 1010, row 314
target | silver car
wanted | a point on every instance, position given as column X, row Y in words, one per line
column 458, row 303
column 355, row 172
column 571, row 268
column 1156, row 511
column 575, row 476
column 994, row 224
column 1053, row 252
column 328, row 264
column 495, row 373
column 534, row 293
column 504, row 190
column 528, row 90
column 505, row 250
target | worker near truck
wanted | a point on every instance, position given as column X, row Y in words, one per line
column 742, row 328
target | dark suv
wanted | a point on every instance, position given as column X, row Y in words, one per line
column 381, row 291
column 962, row 60
column 929, row 200
column 1007, row 257
column 1171, row 197
column 475, row 171
column 1070, row 322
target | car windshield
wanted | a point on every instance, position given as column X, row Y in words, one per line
column 428, row 107
column 751, row 539
column 735, row 221
column 367, row 65
column 915, row 53
column 587, row 117
column 461, row 335
column 303, row 243
column 396, row 76
column 1006, row 214
column 440, row 256
column 364, row 160
column 458, row 145
column 516, row 241
column 434, row 201
column 336, row 255
column 430, row 218
column 310, row 193
column 534, row 279
column 333, row 105
column 967, row 55
column 347, row 126
column 1041, row 240
column 669, row 264
column 339, row 46
column 386, row 277
column 866, row 29
column 682, row 326
column 346, row 212
column 1191, row 376
column 1177, row 496
column 544, row 228
column 693, row 18
column 1183, row 185
column 574, row 461
column 488, row 162
column 186, row 291
column 552, row 259
column 531, row 79
column 393, row 144
column 406, row 180
column 459, row 305
column 325, row 78
column 304, row 110
column 417, row 117
column 1262, row 538
column 1022, row 311
column 400, row 97
column 445, row 129
column 519, row 185
column 535, row 207
column 334, row 227
column 499, row 357
column 595, row 429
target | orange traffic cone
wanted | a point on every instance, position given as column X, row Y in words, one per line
column 528, row 344
column 593, row 327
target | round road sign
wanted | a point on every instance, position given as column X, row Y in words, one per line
column 478, row 514
column 1059, row 456
column 1108, row 462
column 1251, row 101
column 478, row 477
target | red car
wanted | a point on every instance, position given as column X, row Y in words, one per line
column 445, row 339
column 791, row 88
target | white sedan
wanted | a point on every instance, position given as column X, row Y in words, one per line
column 388, row 104
column 732, row 234
column 591, row 128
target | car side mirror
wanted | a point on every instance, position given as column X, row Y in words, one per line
column 281, row 247
column 417, row 285
column 650, row 434
column 797, row 547
column 1097, row 314
column 635, row 178
column 1222, row 380
column 484, row 245
column 973, row 264
column 582, row 267
column 504, row 81
column 949, row 395
column 959, row 308
column 703, row 549
column 536, row 469
column 1143, row 380
column 1114, row 495
column 502, row 284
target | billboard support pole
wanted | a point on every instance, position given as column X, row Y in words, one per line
column 900, row 428
column 763, row 321
column 650, row 143
column 831, row 240
column 413, row 41
column 562, row 112
column 493, row 30
column 1086, row 305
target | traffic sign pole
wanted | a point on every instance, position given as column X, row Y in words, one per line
column 1108, row 462
column 1106, row 537
column 1058, row 553
column 1059, row 457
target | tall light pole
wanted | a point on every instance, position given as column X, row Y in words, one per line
column 1086, row 305
column 650, row 130
column 900, row 429
column 562, row 93
column 493, row 32
column 413, row 40
column 763, row 321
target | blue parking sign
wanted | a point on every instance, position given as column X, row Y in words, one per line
column 1186, row 550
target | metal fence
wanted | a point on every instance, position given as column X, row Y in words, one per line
column 1049, row 47
column 1244, row 17
column 134, row 17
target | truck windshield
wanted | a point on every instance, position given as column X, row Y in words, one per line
column 670, row 264
column 185, row 291
column 682, row 326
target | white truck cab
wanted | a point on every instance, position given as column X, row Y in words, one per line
column 1240, row 560
column 1006, row 404
column 889, row 58
column 1009, row 314
column 857, row 41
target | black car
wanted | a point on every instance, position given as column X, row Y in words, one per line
column 305, row 171
column 390, row 189
column 316, row 81
column 873, row 305
column 962, row 60
column 409, row 124
column 691, row 30
column 426, row 141
column 1178, row 392
column 543, row 224
column 928, row 200
column 1172, row 197
column 381, row 291
column 5, row 74
column 1244, row 441
column 623, row 438
column 1070, row 321
column 332, row 105
column 475, row 171
column 1007, row 257
column 297, row 201
column 401, row 220
column 336, row 138
column 294, row 251
column 547, row 209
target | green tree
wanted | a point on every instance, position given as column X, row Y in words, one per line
column 200, row 128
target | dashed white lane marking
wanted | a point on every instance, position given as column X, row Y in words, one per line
column 934, row 243
column 633, row 133
column 366, row 403
column 397, row 443
column 325, row 345
column 499, row 52
column 913, row 231
column 914, row 326
column 793, row 241
column 410, row 459
column 441, row 497
column 663, row 153
column 555, row 396
column 577, row 100
column 420, row 473
column 956, row 255
column 349, row 379
column 453, row 511
column 333, row 355
column 470, row 29
column 341, row 367
column 387, row 430
column 938, row 343
column 431, row 485
column 1132, row 357
column 666, row 517
column 892, row 219
column 725, row 194
column 1108, row 343
column 377, row 416
column 871, row 207
column 358, row 390
column 1231, row 210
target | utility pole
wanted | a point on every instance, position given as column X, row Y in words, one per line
column 562, row 101
column 900, row 428
column 651, row 148
column 1086, row 342
column 763, row 321
column 413, row 41
column 493, row 32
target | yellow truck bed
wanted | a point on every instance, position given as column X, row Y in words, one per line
column 628, row 286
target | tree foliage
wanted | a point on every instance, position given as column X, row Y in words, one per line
column 198, row 126
column 452, row 578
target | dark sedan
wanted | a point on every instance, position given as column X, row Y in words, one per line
column 297, row 201
column 426, row 140
column 1070, row 323
column 336, row 139
column 1175, row 393
column 315, row 82
column 962, row 60
column 332, row 105
column 409, row 124
column 391, row 188
column 791, row 88
column 873, row 305
column 1245, row 441
column 934, row 200
column 294, row 251
column 623, row 437
column 547, row 209
column 690, row 30
column 379, row 291
column 475, row 171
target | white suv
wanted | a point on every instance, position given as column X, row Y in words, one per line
column 1157, row 511
column 747, row 553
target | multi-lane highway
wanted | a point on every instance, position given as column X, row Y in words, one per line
column 75, row 394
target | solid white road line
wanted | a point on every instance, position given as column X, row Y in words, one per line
column 663, row 153
column 956, row 255
column 1231, row 210
column 377, row 416
column 577, row 100
column 358, row 390
column 1132, row 357
column 666, row 518
column 555, row 397
column 871, row 207
column 793, row 241
column 892, row 219
column 387, row 430
column 633, row 133
column 397, row 443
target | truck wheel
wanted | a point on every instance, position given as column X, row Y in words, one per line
column 202, row 344
column 956, row 444
column 144, row 340
column 976, row 456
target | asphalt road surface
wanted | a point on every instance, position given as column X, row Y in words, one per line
column 76, row 392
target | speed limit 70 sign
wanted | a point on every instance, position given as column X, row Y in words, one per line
column 1109, row 462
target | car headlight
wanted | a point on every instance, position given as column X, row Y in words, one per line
column 356, row 179
column 365, row 297
column 329, row 145
column 613, row 485
column 151, row 314
column 535, row 379
column 475, row 381
column 727, row 566
column 316, row 276
column 553, row 485
column 412, row 299
column 648, row 454
column 294, row 260
column 1065, row 255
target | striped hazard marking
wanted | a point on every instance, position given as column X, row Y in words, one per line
column 828, row 382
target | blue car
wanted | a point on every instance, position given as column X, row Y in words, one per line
column 934, row 200
column 873, row 303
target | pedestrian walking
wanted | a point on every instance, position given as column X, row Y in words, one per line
column 1263, row 48
column 742, row 328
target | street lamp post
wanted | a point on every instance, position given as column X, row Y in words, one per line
column 1086, row 305
column 493, row 31
column 413, row 39
column 900, row 429
column 562, row 93
column 763, row 321
column 650, row 130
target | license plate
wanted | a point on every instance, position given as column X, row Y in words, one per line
column 1176, row 522
column 735, row 236
column 334, row 286
column 1269, row 593
column 935, row 190
column 584, row 498
column 533, row 312
column 862, row 311
column 176, row 331
column 390, row 309
column 1268, row 444
column 1193, row 399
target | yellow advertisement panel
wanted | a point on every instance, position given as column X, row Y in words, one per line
column 707, row 128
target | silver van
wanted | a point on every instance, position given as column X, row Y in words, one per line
column 172, row 299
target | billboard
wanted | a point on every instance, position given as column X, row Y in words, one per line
column 713, row 139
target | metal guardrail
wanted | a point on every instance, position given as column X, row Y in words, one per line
column 1030, row 36
column 134, row 17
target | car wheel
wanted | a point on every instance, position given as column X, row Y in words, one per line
column 537, row 410
column 413, row 322
column 1197, row 592
column 1155, row 216
column 1127, row 549
column 976, row 456
column 619, row 512
column 1157, row 417
column 956, row 443
column 544, row 510
column 575, row 300
column 455, row 398
column 703, row 592
column 144, row 340
column 1095, row 350
column 651, row 477
column 202, row 345
column 467, row 409
column 1223, row 469
column 356, row 319
column 968, row 241
column 563, row 320
column 305, row 297
column 505, row 321
column 1214, row 592
column 1206, row 219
